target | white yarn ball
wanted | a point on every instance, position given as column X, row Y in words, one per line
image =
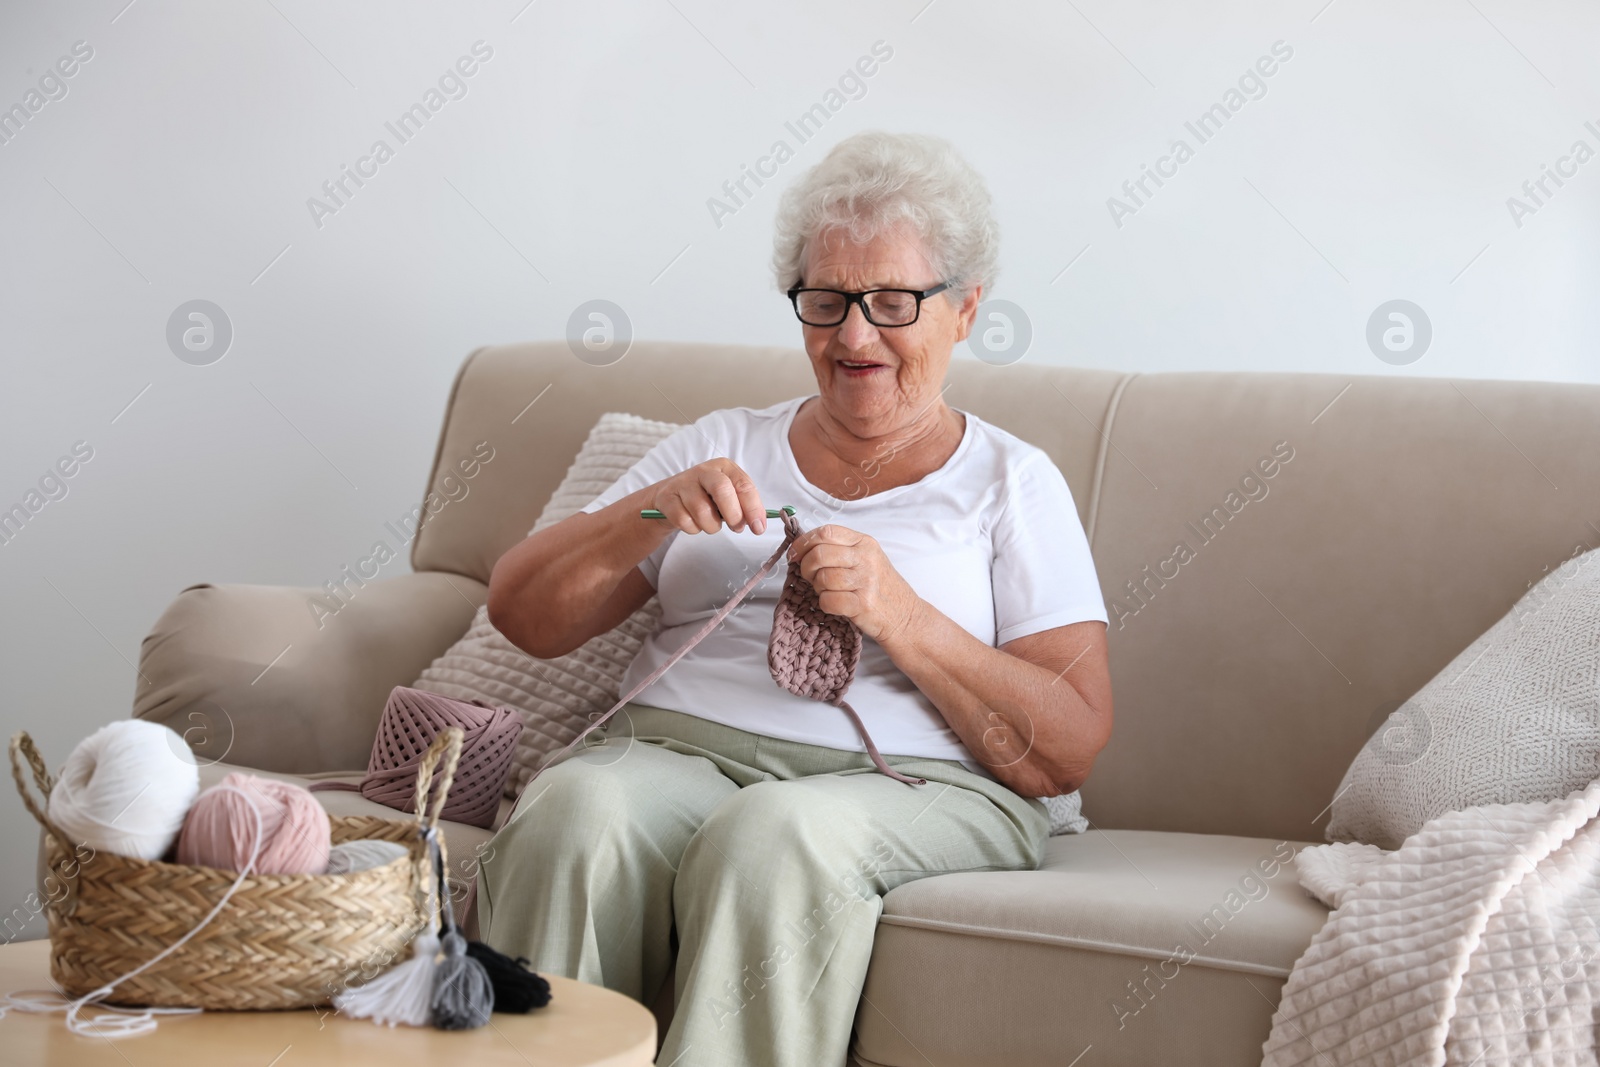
column 125, row 789
column 364, row 855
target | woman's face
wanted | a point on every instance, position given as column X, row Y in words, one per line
column 908, row 362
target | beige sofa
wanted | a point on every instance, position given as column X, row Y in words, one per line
column 1409, row 515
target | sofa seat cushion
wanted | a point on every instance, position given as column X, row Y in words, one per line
column 1134, row 942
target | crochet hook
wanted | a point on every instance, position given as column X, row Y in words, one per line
column 772, row 513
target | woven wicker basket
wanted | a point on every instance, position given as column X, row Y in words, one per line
column 282, row 941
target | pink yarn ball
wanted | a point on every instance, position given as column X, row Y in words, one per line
column 219, row 830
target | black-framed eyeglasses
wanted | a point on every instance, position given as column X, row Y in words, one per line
column 882, row 307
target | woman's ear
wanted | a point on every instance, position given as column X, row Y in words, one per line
column 966, row 312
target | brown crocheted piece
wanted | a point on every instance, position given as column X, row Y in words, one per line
column 814, row 654
column 810, row 653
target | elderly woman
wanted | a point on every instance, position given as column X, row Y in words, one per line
column 746, row 826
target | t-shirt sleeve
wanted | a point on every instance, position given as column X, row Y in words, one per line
column 1043, row 573
column 673, row 454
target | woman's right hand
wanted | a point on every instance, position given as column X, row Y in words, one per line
column 702, row 498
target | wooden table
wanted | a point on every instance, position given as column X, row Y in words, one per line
column 582, row 1024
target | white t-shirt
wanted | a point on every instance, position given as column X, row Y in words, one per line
column 992, row 539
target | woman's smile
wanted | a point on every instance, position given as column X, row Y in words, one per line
column 859, row 368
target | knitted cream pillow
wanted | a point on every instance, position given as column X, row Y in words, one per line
column 557, row 697
column 1514, row 718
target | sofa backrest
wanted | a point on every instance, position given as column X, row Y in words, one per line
column 1285, row 557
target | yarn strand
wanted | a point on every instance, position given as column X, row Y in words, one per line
column 709, row 625
column 126, row 1022
column 872, row 749
column 791, row 531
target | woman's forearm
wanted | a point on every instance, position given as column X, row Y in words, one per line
column 548, row 588
column 1028, row 725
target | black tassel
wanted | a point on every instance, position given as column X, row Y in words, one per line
column 517, row 990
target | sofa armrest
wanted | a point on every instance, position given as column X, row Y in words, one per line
column 269, row 677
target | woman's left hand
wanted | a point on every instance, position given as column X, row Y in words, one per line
column 854, row 578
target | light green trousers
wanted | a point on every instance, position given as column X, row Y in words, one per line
column 762, row 862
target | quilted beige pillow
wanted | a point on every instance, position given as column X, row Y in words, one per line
column 1515, row 718
column 557, row 697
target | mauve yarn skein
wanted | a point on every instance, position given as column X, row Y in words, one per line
column 125, row 789
column 411, row 719
column 220, row 829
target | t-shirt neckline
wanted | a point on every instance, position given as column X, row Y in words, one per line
column 817, row 493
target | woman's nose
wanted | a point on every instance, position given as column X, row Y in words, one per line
column 855, row 332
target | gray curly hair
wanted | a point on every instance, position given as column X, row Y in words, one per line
column 873, row 181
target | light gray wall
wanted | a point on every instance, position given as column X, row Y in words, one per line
column 1376, row 165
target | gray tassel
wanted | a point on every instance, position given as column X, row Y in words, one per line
column 463, row 997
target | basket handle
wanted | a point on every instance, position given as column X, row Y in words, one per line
column 442, row 756
column 23, row 748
